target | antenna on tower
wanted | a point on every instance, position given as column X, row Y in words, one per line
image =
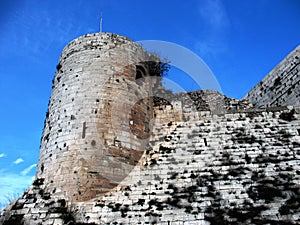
column 101, row 22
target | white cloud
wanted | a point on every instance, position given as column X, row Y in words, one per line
column 18, row 161
column 2, row 155
column 214, row 13
column 210, row 47
column 12, row 185
column 214, row 17
column 28, row 169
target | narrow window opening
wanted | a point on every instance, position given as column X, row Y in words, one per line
column 205, row 141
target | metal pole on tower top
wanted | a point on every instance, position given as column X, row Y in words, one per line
column 101, row 22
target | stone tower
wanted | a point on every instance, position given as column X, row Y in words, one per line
column 91, row 139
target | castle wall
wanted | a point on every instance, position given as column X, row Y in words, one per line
column 199, row 168
column 236, row 168
column 281, row 87
column 87, row 145
column 108, row 156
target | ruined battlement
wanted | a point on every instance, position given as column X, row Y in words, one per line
column 202, row 100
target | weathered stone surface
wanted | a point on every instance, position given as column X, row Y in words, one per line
column 281, row 87
column 87, row 144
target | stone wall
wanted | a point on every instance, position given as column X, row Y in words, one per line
column 238, row 168
column 281, row 87
column 198, row 168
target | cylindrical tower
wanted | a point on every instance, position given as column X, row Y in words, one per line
column 98, row 116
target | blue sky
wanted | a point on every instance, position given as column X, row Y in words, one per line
column 240, row 41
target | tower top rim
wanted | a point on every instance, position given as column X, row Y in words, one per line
column 102, row 35
column 101, row 38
